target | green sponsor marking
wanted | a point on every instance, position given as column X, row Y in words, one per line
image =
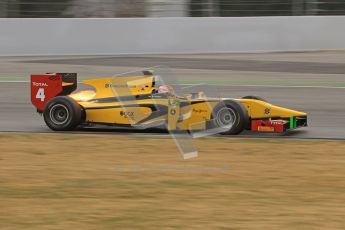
column 291, row 123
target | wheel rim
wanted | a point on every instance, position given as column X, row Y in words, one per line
column 226, row 118
column 59, row 114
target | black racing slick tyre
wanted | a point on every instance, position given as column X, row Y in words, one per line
column 254, row 98
column 62, row 114
column 231, row 116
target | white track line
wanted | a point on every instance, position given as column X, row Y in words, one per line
column 23, row 82
column 204, row 84
column 14, row 81
column 272, row 86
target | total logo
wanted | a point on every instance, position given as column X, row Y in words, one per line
column 277, row 122
column 40, row 84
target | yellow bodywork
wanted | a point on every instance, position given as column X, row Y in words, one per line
column 258, row 109
column 128, row 101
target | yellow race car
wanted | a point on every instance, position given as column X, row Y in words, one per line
column 142, row 102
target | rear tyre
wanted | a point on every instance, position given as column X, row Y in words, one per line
column 62, row 114
column 254, row 98
column 231, row 116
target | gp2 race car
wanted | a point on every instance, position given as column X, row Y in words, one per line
column 141, row 102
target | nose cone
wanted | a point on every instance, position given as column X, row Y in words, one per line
column 277, row 111
column 262, row 109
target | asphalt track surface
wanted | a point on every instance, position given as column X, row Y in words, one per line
column 310, row 82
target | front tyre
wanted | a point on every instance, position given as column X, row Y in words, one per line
column 62, row 114
column 231, row 116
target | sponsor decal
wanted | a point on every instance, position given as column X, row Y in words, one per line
column 173, row 111
column 199, row 110
column 266, row 128
column 267, row 111
column 173, row 102
column 109, row 85
column 278, row 122
column 127, row 114
column 157, row 96
column 40, row 84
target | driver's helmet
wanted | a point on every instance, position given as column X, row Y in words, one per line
column 165, row 89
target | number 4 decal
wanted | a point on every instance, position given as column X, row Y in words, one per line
column 40, row 94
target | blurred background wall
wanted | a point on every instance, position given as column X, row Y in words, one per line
column 168, row 8
column 92, row 36
column 169, row 26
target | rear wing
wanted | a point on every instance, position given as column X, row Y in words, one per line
column 47, row 86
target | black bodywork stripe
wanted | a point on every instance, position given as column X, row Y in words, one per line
column 152, row 106
column 157, row 110
column 130, row 98
column 113, row 107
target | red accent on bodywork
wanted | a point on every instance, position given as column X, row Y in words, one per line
column 269, row 125
column 48, row 84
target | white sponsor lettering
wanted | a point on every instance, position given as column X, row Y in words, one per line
column 40, row 94
column 40, row 84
